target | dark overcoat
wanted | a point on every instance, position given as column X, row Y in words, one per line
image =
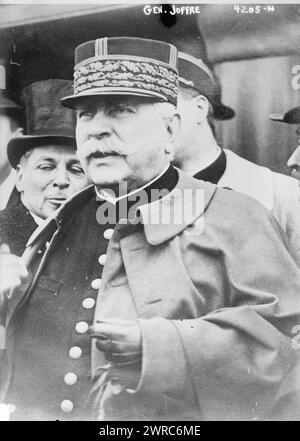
column 16, row 227
column 16, row 224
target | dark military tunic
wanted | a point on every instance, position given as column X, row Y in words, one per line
column 52, row 377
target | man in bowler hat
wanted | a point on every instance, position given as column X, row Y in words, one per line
column 150, row 295
column 47, row 169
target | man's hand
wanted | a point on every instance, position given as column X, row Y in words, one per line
column 12, row 269
column 120, row 340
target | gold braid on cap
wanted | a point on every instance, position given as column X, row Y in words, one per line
column 126, row 73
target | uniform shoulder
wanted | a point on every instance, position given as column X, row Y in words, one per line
column 237, row 205
column 279, row 177
column 223, row 200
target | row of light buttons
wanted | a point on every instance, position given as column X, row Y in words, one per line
column 75, row 352
column 81, row 327
column 96, row 283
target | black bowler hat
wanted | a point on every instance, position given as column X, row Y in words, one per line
column 125, row 66
column 47, row 122
column 290, row 117
column 194, row 73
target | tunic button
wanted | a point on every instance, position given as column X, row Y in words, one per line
column 75, row 352
column 88, row 303
column 66, row 406
column 81, row 327
column 102, row 259
column 70, row 378
column 96, row 283
column 108, row 233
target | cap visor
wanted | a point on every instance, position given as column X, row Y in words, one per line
column 73, row 100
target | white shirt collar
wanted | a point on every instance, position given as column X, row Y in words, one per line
column 104, row 194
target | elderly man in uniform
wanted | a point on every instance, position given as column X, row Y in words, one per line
column 10, row 127
column 197, row 152
column 292, row 117
column 188, row 292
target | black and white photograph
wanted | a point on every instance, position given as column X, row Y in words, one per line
column 149, row 213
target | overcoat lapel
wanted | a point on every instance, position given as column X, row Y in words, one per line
column 149, row 268
column 150, row 275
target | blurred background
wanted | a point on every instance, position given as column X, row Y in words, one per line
column 256, row 56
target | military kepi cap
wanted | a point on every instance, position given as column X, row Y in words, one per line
column 194, row 73
column 125, row 66
column 290, row 117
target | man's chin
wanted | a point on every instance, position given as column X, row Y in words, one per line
column 105, row 181
column 103, row 176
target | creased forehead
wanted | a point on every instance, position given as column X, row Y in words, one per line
column 49, row 151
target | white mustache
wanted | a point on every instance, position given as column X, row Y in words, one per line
column 103, row 146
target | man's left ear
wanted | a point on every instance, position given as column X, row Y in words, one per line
column 202, row 107
column 173, row 130
column 19, row 180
